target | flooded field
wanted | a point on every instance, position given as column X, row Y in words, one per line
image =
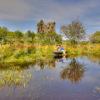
column 58, row 79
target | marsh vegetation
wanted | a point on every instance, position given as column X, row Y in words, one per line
column 27, row 64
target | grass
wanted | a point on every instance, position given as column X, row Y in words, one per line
column 20, row 54
column 87, row 49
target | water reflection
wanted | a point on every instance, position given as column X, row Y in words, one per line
column 17, row 74
column 46, row 83
column 14, row 76
column 73, row 72
column 50, row 63
column 95, row 59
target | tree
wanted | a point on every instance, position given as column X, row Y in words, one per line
column 58, row 39
column 11, row 37
column 3, row 34
column 51, row 38
column 30, row 34
column 18, row 35
column 74, row 31
column 95, row 38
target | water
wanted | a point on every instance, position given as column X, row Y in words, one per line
column 60, row 79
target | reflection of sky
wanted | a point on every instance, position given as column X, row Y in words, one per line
column 24, row 14
column 47, row 83
column 92, row 73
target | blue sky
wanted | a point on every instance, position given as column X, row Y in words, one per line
column 24, row 14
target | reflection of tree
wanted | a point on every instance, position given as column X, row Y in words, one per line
column 41, row 64
column 51, row 63
column 95, row 59
column 44, row 63
column 74, row 72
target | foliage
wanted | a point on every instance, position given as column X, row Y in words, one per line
column 74, row 31
column 95, row 38
column 48, row 38
column 30, row 35
column 21, row 48
column 9, row 37
column 3, row 34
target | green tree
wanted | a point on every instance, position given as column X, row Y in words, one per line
column 49, row 38
column 58, row 39
column 95, row 38
column 54, row 38
column 18, row 35
column 31, row 35
column 11, row 37
column 74, row 31
column 3, row 34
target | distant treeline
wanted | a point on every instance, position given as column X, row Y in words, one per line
column 75, row 32
column 7, row 36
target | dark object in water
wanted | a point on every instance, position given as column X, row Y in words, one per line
column 58, row 54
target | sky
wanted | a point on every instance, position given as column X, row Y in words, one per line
column 24, row 14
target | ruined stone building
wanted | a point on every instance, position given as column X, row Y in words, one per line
column 45, row 28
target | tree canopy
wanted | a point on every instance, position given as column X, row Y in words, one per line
column 74, row 31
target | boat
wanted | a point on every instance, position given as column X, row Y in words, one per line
column 58, row 54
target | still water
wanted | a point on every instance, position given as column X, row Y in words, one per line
column 57, row 79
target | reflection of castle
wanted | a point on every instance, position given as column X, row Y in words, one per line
column 45, row 28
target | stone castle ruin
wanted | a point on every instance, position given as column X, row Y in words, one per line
column 45, row 28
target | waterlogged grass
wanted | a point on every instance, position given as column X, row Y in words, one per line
column 87, row 49
column 24, row 55
column 27, row 54
column 15, row 59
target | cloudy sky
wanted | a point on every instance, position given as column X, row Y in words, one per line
column 24, row 14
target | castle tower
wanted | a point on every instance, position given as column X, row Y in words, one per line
column 51, row 27
column 40, row 27
column 46, row 28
